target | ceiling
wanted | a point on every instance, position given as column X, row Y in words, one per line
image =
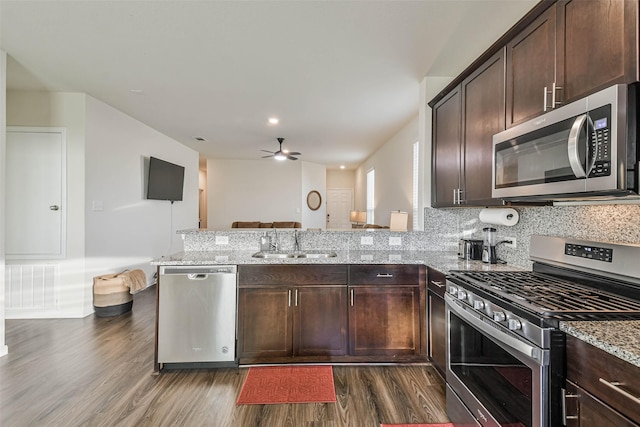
column 342, row 76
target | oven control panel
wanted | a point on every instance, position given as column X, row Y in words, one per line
column 589, row 252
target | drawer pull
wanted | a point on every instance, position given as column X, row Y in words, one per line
column 352, row 297
column 384, row 275
column 289, row 297
column 615, row 385
column 438, row 284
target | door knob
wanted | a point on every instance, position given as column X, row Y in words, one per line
column 54, row 207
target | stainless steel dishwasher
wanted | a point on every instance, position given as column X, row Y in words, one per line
column 197, row 314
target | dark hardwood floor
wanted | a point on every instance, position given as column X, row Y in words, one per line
column 99, row 372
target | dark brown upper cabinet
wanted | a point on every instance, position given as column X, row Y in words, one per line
column 464, row 123
column 572, row 49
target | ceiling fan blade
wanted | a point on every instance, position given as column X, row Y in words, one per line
column 267, row 151
column 292, row 158
column 294, row 153
column 266, row 157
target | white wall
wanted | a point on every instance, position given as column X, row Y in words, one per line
column 33, row 108
column 130, row 230
column 107, row 154
column 393, row 164
column 253, row 190
column 3, row 129
column 341, row 178
column 314, row 177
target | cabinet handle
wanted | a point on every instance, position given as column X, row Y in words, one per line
column 460, row 193
column 615, row 385
column 296, row 298
column 384, row 275
column 352, row 297
column 566, row 417
column 545, row 100
column 438, row 284
column 289, row 297
column 454, row 196
column 554, row 89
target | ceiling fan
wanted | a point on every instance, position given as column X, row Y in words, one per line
column 282, row 154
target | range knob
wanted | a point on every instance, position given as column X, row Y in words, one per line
column 499, row 316
column 514, row 324
column 478, row 305
column 462, row 295
column 453, row 290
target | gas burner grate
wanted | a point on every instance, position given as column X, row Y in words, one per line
column 549, row 296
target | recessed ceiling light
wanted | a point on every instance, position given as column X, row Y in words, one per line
column 274, row 120
column 342, row 166
column 138, row 91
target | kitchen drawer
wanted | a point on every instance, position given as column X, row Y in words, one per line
column 436, row 282
column 584, row 410
column 607, row 377
column 292, row 275
column 383, row 274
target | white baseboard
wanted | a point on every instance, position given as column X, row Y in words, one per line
column 16, row 314
column 4, row 350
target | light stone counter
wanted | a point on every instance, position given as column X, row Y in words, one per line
column 620, row 338
column 439, row 260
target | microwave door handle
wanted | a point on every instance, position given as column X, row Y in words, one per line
column 573, row 147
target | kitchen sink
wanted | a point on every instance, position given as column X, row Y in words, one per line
column 285, row 255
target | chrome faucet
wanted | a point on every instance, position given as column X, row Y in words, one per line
column 296, row 243
column 274, row 242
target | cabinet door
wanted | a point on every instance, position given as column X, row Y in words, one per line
column 320, row 321
column 437, row 320
column 265, row 322
column 584, row 410
column 597, row 45
column 482, row 117
column 446, row 160
column 531, row 68
column 384, row 320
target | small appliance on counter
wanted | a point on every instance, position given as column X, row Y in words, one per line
column 489, row 246
column 470, row 249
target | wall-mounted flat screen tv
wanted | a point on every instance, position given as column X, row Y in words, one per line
column 166, row 180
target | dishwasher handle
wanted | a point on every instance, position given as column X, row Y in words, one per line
column 198, row 270
column 197, row 276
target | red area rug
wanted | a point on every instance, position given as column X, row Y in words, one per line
column 287, row 384
column 418, row 425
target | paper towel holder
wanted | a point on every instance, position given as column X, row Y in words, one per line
column 500, row 216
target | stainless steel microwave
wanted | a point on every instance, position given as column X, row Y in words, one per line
column 585, row 149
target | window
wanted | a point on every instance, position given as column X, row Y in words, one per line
column 371, row 178
column 416, row 180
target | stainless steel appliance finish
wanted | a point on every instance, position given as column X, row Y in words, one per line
column 583, row 149
column 505, row 359
column 470, row 249
column 197, row 314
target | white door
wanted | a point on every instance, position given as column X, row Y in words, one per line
column 35, row 193
column 339, row 204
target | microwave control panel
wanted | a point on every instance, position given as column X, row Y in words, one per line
column 601, row 142
column 590, row 252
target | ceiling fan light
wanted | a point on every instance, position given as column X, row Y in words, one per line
column 280, row 156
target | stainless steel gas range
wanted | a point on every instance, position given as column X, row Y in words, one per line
column 505, row 358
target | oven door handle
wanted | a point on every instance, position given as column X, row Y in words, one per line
column 541, row 357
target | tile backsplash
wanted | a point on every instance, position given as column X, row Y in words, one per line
column 612, row 223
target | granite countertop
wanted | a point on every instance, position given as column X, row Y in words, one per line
column 617, row 337
column 439, row 260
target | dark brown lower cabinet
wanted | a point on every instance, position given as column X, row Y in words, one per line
column 584, row 410
column 289, row 312
column 308, row 313
column 384, row 320
column 437, row 319
column 602, row 389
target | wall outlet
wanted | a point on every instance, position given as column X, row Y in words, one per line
column 222, row 240
column 366, row 240
column 395, row 241
column 512, row 244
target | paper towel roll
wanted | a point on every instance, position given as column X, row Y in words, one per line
column 501, row 216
